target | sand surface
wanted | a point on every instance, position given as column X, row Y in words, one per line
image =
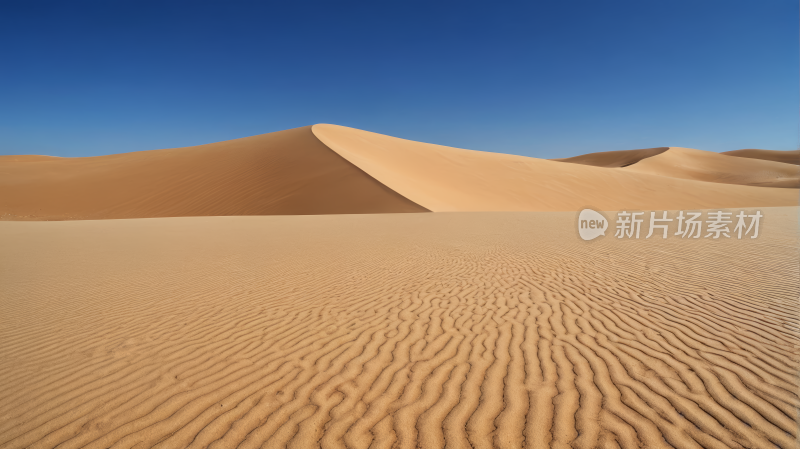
column 614, row 158
column 471, row 330
column 687, row 163
column 788, row 157
column 445, row 179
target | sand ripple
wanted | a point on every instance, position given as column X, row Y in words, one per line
column 422, row 330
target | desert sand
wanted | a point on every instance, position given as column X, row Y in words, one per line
column 788, row 157
column 329, row 169
column 480, row 329
column 273, row 292
column 614, row 158
column 283, row 173
column 687, row 163
column 445, row 179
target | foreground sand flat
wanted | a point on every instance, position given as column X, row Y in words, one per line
column 474, row 329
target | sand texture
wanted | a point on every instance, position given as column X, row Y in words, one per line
column 461, row 330
column 788, row 157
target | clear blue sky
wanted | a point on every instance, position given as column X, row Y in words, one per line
column 544, row 79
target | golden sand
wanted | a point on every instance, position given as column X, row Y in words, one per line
column 480, row 329
column 328, row 169
column 293, row 302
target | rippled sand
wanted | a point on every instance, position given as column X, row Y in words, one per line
column 480, row 329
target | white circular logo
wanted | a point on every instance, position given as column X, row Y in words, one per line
column 591, row 224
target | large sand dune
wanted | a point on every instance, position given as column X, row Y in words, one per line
column 328, row 169
column 687, row 163
column 443, row 179
column 287, row 172
column 470, row 330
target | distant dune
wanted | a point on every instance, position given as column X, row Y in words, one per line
column 787, row 157
column 699, row 165
column 614, row 158
column 328, row 169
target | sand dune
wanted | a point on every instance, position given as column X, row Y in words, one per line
column 614, row 158
column 287, row 172
column 328, row 169
column 787, row 157
column 443, row 179
column 468, row 330
column 699, row 165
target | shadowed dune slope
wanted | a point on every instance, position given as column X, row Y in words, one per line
column 286, row 172
column 614, row 158
column 687, row 163
column 442, row 178
column 787, row 157
column 461, row 330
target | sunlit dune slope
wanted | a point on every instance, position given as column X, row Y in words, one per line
column 699, row 165
column 787, row 157
column 442, row 178
column 614, row 158
column 286, row 172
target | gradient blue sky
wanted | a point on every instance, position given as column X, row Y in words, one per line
column 544, row 79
